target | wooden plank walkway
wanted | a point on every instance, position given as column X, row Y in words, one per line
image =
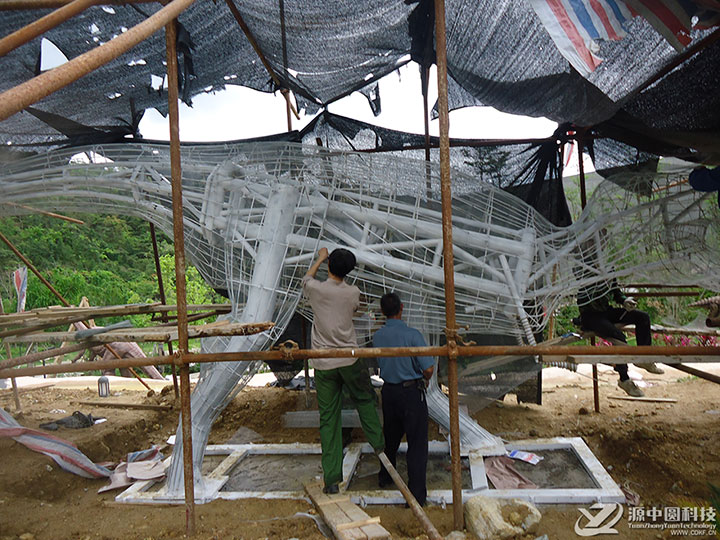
column 346, row 520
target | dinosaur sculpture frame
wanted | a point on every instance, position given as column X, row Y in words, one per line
column 255, row 214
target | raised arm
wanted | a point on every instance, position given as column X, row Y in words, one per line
column 321, row 258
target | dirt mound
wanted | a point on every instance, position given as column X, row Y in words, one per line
column 665, row 452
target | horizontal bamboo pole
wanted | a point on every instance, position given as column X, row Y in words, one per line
column 44, row 212
column 299, row 354
column 697, row 373
column 65, row 315
column 116, row 405
column 164, row 334
column 664, row 293
column 12, row 5
column 657, row 286
column 42, row 355
column 29, row 92
column 42, row 25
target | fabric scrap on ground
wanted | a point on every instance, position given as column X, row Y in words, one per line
column 64, row 453
column 503, row 475
column 76, row 420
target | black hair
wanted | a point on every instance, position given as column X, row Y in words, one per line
column 341, row 262
column 390, row 304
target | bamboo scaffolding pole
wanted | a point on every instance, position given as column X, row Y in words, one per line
column 663, row 294
column 459, row 143
column 42, row 355
column 43, row 24
column 448, row 264
column 153, row 333
column 60, row 315
column 583, row 204
column 180, row 284
column 697, row 373
column 373, row 352
column 45, row 212
column 253, row 42
column 60, row 297
column 13, row 382
column 430, row 529
column 685, row 55
column 12, row 5
column 29, row 264
column 658, row 286
column 163, row 299
column 29, row 92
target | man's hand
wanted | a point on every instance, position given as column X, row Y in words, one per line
column 322, row 256
column 629, row 304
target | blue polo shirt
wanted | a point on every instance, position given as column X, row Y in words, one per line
column 395, row 333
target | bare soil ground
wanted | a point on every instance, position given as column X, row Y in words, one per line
column 665, row 452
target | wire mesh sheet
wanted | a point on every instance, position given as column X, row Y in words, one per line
column 256, row 214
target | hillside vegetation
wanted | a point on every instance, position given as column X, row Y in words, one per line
column 109, row 260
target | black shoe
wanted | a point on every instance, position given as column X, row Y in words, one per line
column 331, row 490
column 385, row 483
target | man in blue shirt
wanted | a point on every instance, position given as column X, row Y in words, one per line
column 403, row 396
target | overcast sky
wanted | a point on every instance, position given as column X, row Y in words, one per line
column 238, row 113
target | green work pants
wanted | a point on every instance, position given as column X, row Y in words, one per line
column 329, row 384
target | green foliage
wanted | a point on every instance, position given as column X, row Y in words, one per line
column 715, row 501
column 109, row 260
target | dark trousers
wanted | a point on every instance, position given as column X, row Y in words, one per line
column 603, row 324
column 405, row 413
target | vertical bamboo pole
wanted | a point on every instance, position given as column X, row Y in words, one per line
column 163, row 299
column 583, row 204
column 426, row 116
column 448, row 265
column 581, row 170
column 180, row 286
column 16, row 395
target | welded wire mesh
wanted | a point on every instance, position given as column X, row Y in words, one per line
column 256, row 214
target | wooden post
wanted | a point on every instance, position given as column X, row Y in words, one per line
column 180, row 285
column 430, row 529
column 253, row 42
column 16, row 395
column 163, row 299
column 448, row 264
column 583, row 204
column 426, row 117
